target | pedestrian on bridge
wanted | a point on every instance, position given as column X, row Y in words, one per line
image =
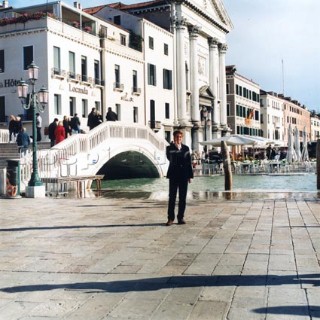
column 51, row 130
column 179, row 174
column 92, row 119
column 111, row 115
column 59, row 132
column 23, row 141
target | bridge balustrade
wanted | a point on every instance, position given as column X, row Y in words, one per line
column 4, row 136
column 67, row 153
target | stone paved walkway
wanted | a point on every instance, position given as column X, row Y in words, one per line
column 99, row 258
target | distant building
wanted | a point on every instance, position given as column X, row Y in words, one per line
column 298, row 116
column 272, row 117
column 315, row 126
column 243, row 104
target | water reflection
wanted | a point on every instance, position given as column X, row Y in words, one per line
column 289, row 183
column 209, row 195
column 204, row 188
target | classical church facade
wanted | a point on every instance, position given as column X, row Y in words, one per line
column 199, row 31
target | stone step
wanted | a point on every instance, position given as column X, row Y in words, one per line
column 9, row 151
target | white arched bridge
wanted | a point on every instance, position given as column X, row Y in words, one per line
column 112, row 149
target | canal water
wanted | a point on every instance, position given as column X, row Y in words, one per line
column 241, row 183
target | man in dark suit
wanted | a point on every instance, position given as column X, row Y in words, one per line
column 179, row 174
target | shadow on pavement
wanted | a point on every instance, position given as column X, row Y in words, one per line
column 124, row 225
column 299, row 310
column 154, row 284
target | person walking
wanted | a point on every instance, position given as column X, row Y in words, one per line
column 97, row 119
column 111, row 115
column 12, row 129
column 66, row 125
column 179, row 174
column 75, row 124
column 51, row 130
column 39, row 126
column 59, row 132
column 23, row 141
column 92, row 119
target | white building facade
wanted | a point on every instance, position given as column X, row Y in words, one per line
column 158, row 65
column 68, row 57
column 243, row 104
column 315, row 127
column 272, row 117
column 199, row 31
column 87, row 61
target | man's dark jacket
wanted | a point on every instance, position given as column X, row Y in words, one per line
column 180, row 167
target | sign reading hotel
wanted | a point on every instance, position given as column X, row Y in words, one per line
column 9, row 83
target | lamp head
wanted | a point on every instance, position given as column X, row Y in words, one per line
column 33, row 72
column 43, row 96
column 22, row 89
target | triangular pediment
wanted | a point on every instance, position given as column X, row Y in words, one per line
column 215, row 10
column 205, row 92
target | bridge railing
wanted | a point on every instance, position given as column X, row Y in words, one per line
column 51, row 161
column 4, row 136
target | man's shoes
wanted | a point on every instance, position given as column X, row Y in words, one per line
column 169, row 222
column 181, row 221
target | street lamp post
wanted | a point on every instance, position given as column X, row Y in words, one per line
column 37, row 101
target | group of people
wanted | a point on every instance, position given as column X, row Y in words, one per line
column 60, row 130
column 95, row 117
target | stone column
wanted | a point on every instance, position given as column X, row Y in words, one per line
column 222, row 89
column 181, row 72
column 214, row 78
column 194, row 81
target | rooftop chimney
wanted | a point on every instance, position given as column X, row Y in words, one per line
column 77, row 5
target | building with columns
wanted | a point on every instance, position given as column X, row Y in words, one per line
column 199, row 31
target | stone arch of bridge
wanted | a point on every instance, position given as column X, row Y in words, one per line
column 126, row 160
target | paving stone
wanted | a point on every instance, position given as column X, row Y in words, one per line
column 100, row 258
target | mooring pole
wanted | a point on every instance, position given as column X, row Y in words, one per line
column 226, row 166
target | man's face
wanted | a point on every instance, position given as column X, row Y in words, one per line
column 178, row 138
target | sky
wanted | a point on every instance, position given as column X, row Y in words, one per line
column 275, row 43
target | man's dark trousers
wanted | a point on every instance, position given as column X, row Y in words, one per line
column 174, row 185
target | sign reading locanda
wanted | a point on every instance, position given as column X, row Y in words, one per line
column 83, row 90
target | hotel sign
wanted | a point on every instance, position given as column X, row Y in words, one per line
column 76, row 89
column 9, row 83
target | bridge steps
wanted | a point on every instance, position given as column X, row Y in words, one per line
column 9, row 151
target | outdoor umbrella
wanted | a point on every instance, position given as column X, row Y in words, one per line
column 297, row 144
column 305, row 153
column 291, row 154
column 231, row 140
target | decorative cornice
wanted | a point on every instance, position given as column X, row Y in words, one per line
column 204, row 15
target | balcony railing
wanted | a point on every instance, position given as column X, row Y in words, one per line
column 117, row 86
column 155, row 125
column 58, row 73
column 98, row 82
column 136, row 91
